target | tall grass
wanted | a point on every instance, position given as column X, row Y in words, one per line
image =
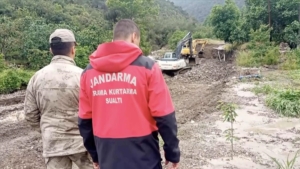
column 265, row 89
column 246, row 59
column 253, row 58
column 288, row 164
column 285, row 102
column 292, row 61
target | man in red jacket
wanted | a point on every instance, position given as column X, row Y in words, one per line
column 124, row 103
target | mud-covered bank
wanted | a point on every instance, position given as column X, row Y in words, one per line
column 261, row 133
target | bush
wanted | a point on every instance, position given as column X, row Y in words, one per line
column 38, row 58
column 204, row 32
column 292, row 61
column 272, row 56
column 283, row 101
column 2, row 62
column 175, row 38
column 266, row 89
column 286, row 102
column 246, row 59
column 82, row 56
column 14, row 79
column 260, row 51
column 251, row 58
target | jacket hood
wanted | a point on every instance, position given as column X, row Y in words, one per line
column 114, row 56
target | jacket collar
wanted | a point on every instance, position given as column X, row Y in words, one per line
column 63, row 59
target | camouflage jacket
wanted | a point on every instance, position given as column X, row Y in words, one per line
column 51, row 104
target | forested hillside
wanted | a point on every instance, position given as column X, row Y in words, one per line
column 200, row 9
column 26, row 25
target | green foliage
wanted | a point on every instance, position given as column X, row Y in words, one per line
column 38, row 58
column 260, row 51
column 288, row 164
column 225, row 19
column 143, row 12
column 200, row 9
column 253, row 58
column 284, row 101
column 291, row 33
column 292, row 61
column 229, row 115
column 234, row 25
column 203, row 32
column 272, row 56
column 284, row 13
column 265, row 89
column 14, row 79
column 25, row 26
column 246, row 59
column 139, row 10
column 170, row 19
column 175, row 38
column 82, row 56
column 2, row 62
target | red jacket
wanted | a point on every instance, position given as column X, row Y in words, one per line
column 124, row 103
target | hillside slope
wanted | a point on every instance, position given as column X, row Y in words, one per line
column 26, row 25
column 200, row 9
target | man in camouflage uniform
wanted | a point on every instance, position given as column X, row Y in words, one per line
column 51, row 105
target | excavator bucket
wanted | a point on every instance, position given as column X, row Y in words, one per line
column 199, row 47
column 192, row 61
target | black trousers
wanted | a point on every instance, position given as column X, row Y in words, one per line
column 159, row 166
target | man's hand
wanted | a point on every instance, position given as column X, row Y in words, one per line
column 174, row 165
column 96, row 166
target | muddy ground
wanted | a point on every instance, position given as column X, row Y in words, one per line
column 202, row 141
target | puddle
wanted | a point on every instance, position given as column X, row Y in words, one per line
column 260, row 133
column 240, row 90
column 285, row 124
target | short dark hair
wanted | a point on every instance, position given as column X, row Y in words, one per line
column 60, row 48
column 124, row 28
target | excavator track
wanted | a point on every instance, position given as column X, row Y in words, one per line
column 184, row 70
column 173, row 73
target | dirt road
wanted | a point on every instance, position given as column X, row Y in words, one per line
column 202, row 141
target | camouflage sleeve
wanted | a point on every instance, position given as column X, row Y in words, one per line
column 32, row 113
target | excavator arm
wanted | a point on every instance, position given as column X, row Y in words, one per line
column 187, row 39
column 199, row 45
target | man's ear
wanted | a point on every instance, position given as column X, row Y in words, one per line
column 133, row 37
column 51, row 51
column 73, row 50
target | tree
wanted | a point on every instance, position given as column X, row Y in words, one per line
column 225, row 19
column 175, row 38
column 25, row 25
column 282, row 12
column 291, row 34
column 2, row 62
column 141, row 11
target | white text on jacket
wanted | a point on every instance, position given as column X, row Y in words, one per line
column 113, row 77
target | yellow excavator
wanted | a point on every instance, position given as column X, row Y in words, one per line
column 197, row 48
column 172, row 63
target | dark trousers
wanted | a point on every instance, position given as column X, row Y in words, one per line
column 159, row 166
